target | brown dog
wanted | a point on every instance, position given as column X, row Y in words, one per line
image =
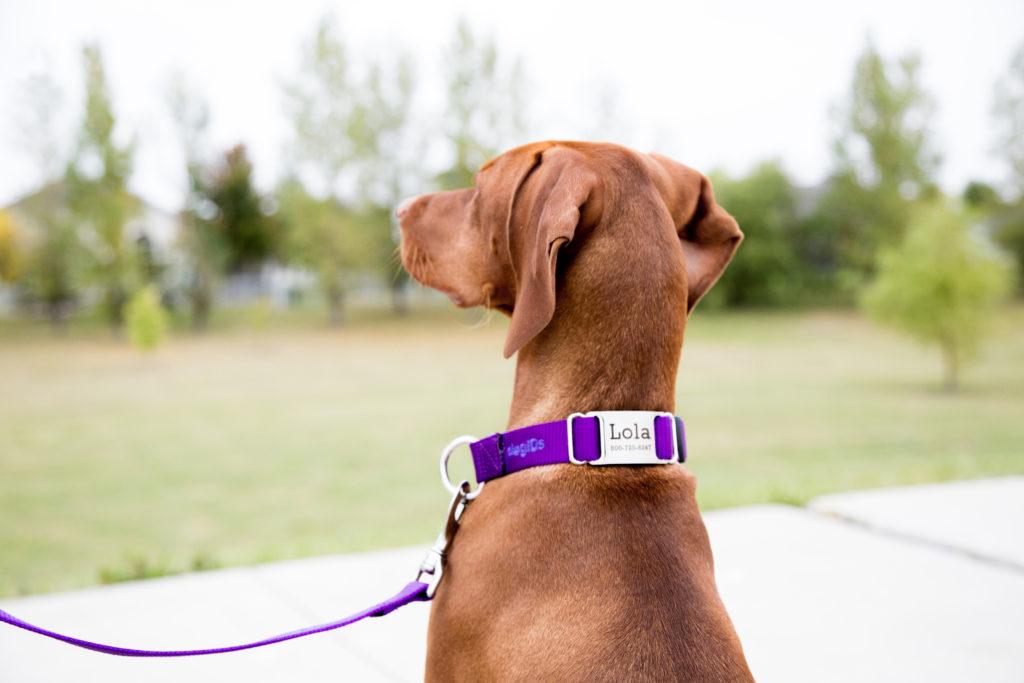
column 567, row 572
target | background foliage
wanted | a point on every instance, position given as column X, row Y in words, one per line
column 264, row 437
column 357, row 149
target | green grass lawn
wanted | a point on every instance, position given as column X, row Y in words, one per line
column 243, row 447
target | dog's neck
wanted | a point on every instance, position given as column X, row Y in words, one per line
column 616, row 349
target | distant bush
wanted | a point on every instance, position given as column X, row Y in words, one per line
column 147, row 319
column 139, row 568
column 766, row 271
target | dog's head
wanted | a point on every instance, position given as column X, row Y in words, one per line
column 498, row 244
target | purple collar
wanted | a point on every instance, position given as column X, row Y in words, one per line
column 597, row 438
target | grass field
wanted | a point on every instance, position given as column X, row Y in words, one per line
column 243, row 447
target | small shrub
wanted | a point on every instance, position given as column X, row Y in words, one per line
column 139, row 568
column 147, row 319
column 940, row 285
column 135, row 569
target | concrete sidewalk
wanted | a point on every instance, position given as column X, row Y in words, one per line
column 921, row 583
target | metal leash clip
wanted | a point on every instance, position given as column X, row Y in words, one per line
column 433, row 563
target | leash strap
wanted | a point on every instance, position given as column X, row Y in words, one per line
column 415, row 591
column 597, row 438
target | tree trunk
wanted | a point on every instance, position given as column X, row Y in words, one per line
column 336, row 304
column 56, row 314
column 115, row 302
column 399, row 296
column 951, row 365
column 201, row 304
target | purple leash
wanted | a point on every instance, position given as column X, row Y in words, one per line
column 416, row 591
column 597, row 438
column 413, row 592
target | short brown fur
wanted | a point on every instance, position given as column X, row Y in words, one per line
column 598, row 254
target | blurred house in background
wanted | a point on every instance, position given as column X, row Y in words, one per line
column 153, row 233
column 156, row 237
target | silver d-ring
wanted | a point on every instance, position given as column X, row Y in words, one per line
column 445, row 454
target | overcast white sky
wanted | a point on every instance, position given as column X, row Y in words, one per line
column 719, row 84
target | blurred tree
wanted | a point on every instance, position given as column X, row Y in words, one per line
column 883, row 159
column 1007, row 223
column 386, row 154
column 251, row 234
column 323, row 236
column 199, row 239
column 321, row 103
column 765, row 270
column 1008, row 114
column 51, row 258
column 96, row 180
column 10, row 254
column 982, row 196
column 38, row 136
column 940, row 285
column 815, row 241
column 352, row 135
column 53, row 269
column 831, row 230
column 147, row 318
column 151, row 269
column 485, row 111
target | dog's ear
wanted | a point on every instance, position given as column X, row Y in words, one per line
column 708, row 234
column 544, row 214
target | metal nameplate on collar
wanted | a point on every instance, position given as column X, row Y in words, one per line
column 627, row 437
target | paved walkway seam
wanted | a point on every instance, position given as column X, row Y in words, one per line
column 989, row 560
column 281, row 591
